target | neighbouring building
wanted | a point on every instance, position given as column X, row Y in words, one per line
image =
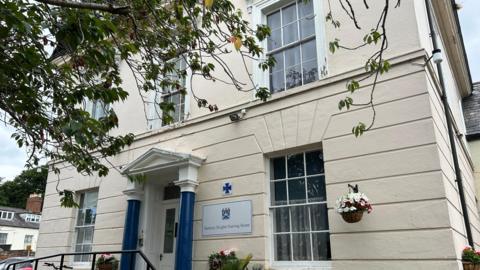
column 471, row 111
column 267, row 184
column 19, row 227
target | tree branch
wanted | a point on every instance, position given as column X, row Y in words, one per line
column 121, row 10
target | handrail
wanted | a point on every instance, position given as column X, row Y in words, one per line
column 36, row 261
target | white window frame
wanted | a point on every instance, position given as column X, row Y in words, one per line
column 32, row 218
column 152, row 96
column 6, row 238
column 316, row 265
column 90, row 106
column 6, row 215
column 28, row 236
column 259, row 12
column 79, row 194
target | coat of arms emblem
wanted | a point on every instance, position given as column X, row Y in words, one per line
column 225, row 213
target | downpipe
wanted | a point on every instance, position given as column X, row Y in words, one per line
column 451, row 135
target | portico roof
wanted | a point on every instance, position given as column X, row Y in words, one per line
column 157, row 159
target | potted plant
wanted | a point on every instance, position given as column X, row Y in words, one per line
column 107, row 262
column 470, row 259
column 352, row 205
column 227, row 260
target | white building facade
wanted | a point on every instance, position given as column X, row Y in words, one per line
column 267, row 184
column 18, row 229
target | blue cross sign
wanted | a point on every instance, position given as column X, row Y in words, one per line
column 227, row 188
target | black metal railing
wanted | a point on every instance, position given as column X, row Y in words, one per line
column 36, row 262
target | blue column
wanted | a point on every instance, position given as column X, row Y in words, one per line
column 183, row 256
column 130, row 234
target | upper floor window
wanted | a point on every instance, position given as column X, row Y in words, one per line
column 167, row 94
column 299, row 208
column 293, row 45
column 6, row 215
column 32, row 218
column 84, row 228
column 96, row 108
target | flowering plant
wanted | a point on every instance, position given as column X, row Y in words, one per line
column 217, row 260
column 470, row 255
column 353, row 202
column 227, row 260
column 107, row 259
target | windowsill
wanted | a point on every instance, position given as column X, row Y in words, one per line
column 302, row 265
column 82, row 265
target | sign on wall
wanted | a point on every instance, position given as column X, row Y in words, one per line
column 227, row 218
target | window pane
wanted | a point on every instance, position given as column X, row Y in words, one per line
column 310, row 72
column 282, row 219
column 290, row 33
column 275, row 39
column 175, row 98
column 292, row 57
column 301, row 247
column 90, row 199
column 273, row 20
column 282, row 247
column 300, row 219
column 81, row 217
column 90, row 215
column 307, row 27
column 305, row 8
column 278, row 168
column 295, row 165
column 78, row 258
column 3, row 238
column 86, row 248
column 314, row 162
column 309, row 51
column 279, row 193
column 316, row 189
column 321, row 246
column 278, row 62
column 289, row 14
column 319, row 217
column 80, row 235
column 296, row 191
column 169, row 234
column 294, row 77
column 277, row 83
column 88, row 237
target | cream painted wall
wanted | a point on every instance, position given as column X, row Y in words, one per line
column 16, row 237
column 413, row 210
column 402, row 24
column 474, row 146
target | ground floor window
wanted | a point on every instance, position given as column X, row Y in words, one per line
column 299, row 208
column 28, row 240
column 3, row 238
column 85, row 225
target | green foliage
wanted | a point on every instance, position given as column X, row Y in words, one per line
column 16, row 192
column 228, row 260
column 470, row 255
column 359, row 129
column 68, row 199
column 334, row 45
column 41, row 97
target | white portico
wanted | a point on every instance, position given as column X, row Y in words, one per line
column 161, row 201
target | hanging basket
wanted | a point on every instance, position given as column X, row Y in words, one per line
column 110, row 267
column 468, row 266
column 353, row 217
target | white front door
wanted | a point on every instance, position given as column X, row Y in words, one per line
column 168, row 234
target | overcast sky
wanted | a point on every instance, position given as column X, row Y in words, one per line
column 12, row 159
